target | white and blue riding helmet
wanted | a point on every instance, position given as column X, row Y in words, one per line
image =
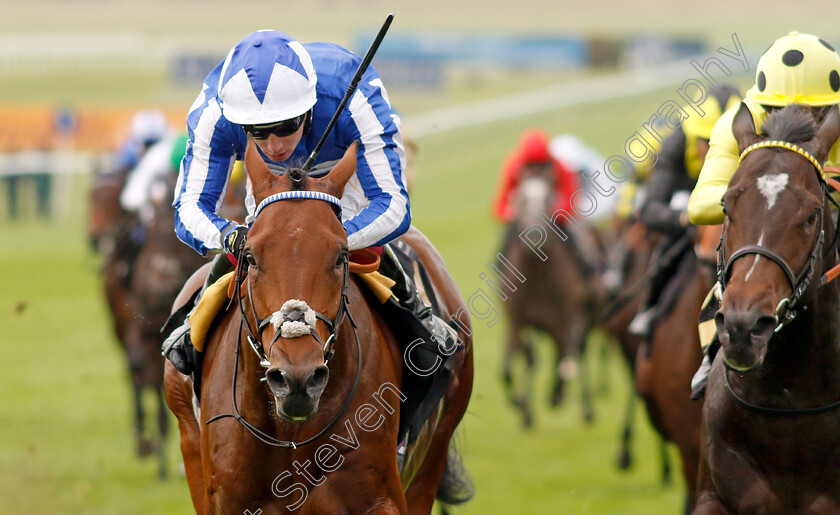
column 266, row 78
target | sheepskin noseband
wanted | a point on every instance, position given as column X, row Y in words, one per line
column 294, row 319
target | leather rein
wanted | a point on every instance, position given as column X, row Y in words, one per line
column 253, row 340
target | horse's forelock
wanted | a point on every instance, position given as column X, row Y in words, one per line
column 298, row 179
column 794, row 123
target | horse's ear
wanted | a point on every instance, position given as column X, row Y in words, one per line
column 743, row 128
column 827, row 134
column 344, row 169
column 257, row 171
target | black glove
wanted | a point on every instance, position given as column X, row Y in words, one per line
column 235, row 240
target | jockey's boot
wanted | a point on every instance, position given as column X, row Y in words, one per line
column 177, row 347
column 456, row 486
column 701, row 377
column 432, row 328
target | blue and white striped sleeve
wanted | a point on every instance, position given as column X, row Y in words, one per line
column 203, row 177
column 379, row 168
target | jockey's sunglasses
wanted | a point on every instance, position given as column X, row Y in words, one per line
column 279, row 129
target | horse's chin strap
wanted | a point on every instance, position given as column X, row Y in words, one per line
column 766, row 410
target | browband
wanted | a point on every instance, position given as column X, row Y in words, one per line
column 787, row 146
column 304, row 194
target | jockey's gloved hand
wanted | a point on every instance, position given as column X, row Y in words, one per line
column 234, row 241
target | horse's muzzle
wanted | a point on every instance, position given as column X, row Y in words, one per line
column 297, row 390
column 744, row 336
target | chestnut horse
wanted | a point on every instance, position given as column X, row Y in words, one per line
column 771, row 429
column 555, row 298
column 310, row 434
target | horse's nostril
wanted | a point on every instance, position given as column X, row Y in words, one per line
column 318, row 381
column 278, row 381
column 765, row 326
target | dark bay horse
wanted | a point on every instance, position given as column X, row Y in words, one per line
column 771, row 433
column 666, row 364
column 162, row 266
column 632, row 255
column 109, row 230
column 556, row 298
column 313, row 437
column 144, row 266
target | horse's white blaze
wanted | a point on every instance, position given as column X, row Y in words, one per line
column 770, row 186
column 534, row 197
column 760, row 241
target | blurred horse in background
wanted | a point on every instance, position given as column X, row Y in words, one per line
column 161, row 268
column 665, row 364
column 110, row 229
column 631, row 258
column 143, row 268
column 558, row 297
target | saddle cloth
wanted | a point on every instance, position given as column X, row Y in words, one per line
column 217, row 294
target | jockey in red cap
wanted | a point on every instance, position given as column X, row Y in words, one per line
column 533, row 149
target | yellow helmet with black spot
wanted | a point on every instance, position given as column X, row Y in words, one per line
column 797, row 68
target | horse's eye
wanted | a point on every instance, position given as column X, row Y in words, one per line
column 251, row 260
column 813, row 218
column 341, row 259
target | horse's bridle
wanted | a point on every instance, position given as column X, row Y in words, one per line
column 253, row 340
column 786, row 309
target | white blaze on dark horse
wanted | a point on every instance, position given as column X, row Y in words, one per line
column 772, row 409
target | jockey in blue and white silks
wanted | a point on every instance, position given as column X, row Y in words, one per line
column 268, row 78
column 283, row 94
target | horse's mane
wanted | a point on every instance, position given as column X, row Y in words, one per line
column 794, row 123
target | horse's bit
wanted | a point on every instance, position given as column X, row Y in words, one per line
column 254, row 342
